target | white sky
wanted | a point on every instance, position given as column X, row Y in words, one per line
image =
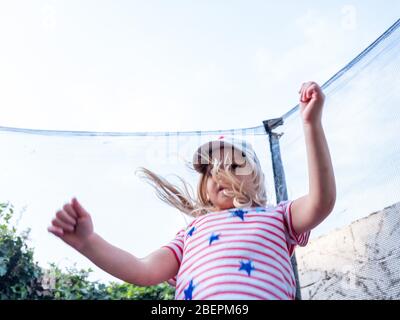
column 153, row 66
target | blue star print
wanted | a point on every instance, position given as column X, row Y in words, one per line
column 188, row 292
column 239, row 213
column 190, row 233
column 246, row 266
column 213, row 238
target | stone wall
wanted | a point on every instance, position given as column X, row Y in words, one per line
column 360, row 261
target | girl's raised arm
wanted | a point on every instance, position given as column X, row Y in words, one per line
column 310, row 210
column 73, row 224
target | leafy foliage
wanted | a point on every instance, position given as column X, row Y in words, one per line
column 19, row 274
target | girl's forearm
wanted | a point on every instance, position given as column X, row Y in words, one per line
column 322, row 186
column 115, row 261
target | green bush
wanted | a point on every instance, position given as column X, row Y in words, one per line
column 22, row 278
column 125, row 291
column 19, row 274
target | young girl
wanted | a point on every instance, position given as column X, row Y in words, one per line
column 237, row 246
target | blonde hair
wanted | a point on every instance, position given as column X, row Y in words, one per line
column 249, row 193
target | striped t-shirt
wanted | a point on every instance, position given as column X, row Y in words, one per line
column 237, row 254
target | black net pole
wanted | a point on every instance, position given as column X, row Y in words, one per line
column 279, row 180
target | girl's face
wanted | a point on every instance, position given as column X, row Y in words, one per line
column 214, row 189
